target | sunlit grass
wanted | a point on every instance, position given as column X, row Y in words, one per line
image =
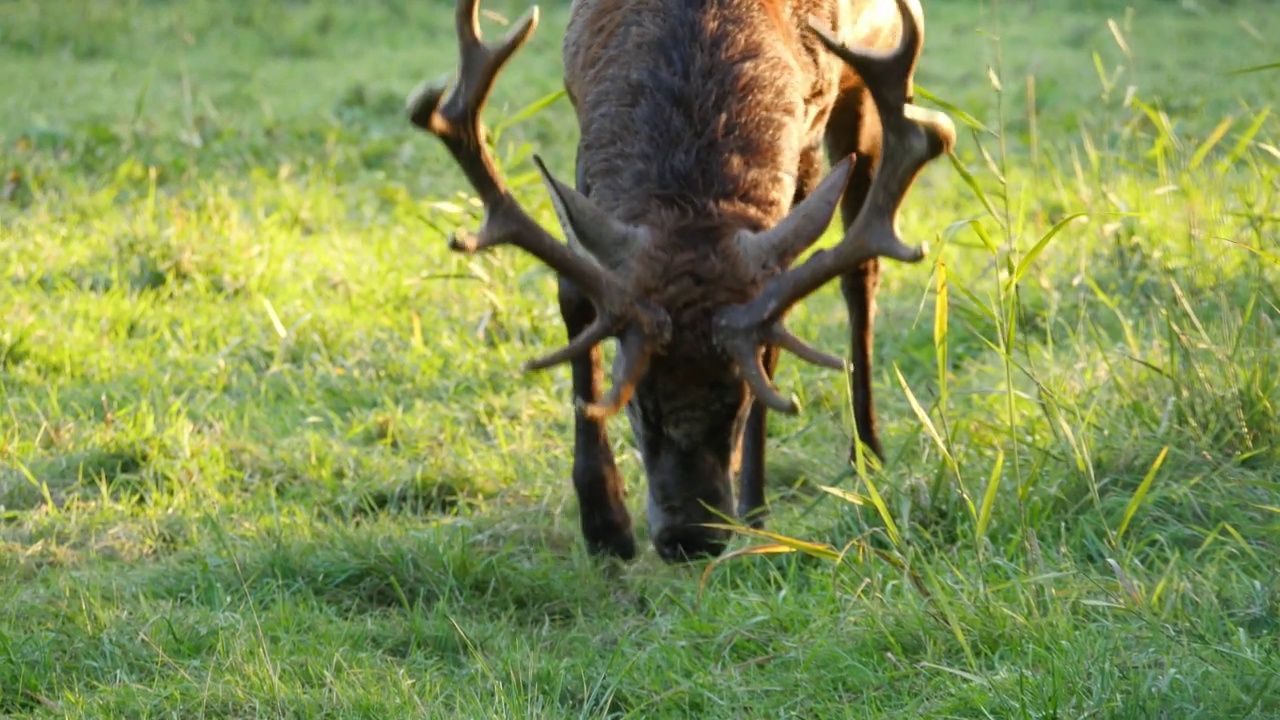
column 265, row 449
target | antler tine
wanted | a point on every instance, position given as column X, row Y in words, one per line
column 782, row 337
column 456, row 118
column 887, row 75
column 768, row 251
column 581, row 344
column 488, row 59
column 631, row 362
column 466, row 19
column 911, row 138
column 453, row 116
column 744, row 349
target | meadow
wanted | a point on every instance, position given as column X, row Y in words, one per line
column 266, row 451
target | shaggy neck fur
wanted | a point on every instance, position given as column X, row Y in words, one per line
column 711, row 128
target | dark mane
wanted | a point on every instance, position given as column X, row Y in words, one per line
column 704, row 127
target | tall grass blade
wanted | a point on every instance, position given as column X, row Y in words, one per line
column 985, row 237
column 1256, row 251
column 976, row 679
column 1025, row 263
column 1214, row 138
column 989, row 501
column 940, row 313
column 1245, row 139
column 937, row 438
column 849, row 497
column 1136, row 501
column 1119, row 38
column 954, row 111
column 953, row 621
column 818, row 550
column 769, row 549
column 924, row 418
column 892, row 527
column 974, row 186
column 1244, row 544
column 526, row 112
column 1256, row 69
column 982, row 307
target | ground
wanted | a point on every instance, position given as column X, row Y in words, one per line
column 265, row 449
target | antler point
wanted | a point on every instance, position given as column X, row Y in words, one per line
column 422, row 103
column 463, row 241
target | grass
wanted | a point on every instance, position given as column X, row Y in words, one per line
column 265, row 451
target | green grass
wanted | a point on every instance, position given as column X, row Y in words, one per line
column 265, row 450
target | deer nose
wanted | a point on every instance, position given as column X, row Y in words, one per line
column 682, row 543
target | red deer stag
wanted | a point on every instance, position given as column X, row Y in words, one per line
column 699, row 183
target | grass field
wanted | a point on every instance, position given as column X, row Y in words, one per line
column 265, row 450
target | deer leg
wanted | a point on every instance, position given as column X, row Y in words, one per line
column 752, row 507
column 859, row 287
column 905, row 139
column 606, row 524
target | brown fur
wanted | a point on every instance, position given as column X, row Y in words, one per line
column 716, row 102
column 700, row 119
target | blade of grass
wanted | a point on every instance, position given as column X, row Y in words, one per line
column 525, row 113
column 882, row 509
column 1245, row 139
column 1140, row 493
column 940, row 313
column 769, row 549
column 818, row 550
column 974, row 187
column 1025, row 263
column 1256, row 251
column 937, row 438
column 954, row 111
column 849, row 497
column 1255, row 69
column 989, row 501
column 1209, row 142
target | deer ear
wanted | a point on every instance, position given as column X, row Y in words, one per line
column 587, row 227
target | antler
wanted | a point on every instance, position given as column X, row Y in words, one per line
column 912, row 137
column 455, row 119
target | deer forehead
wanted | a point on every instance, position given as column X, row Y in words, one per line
column 688, row 399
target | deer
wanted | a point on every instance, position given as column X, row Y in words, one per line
column 699, row 184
